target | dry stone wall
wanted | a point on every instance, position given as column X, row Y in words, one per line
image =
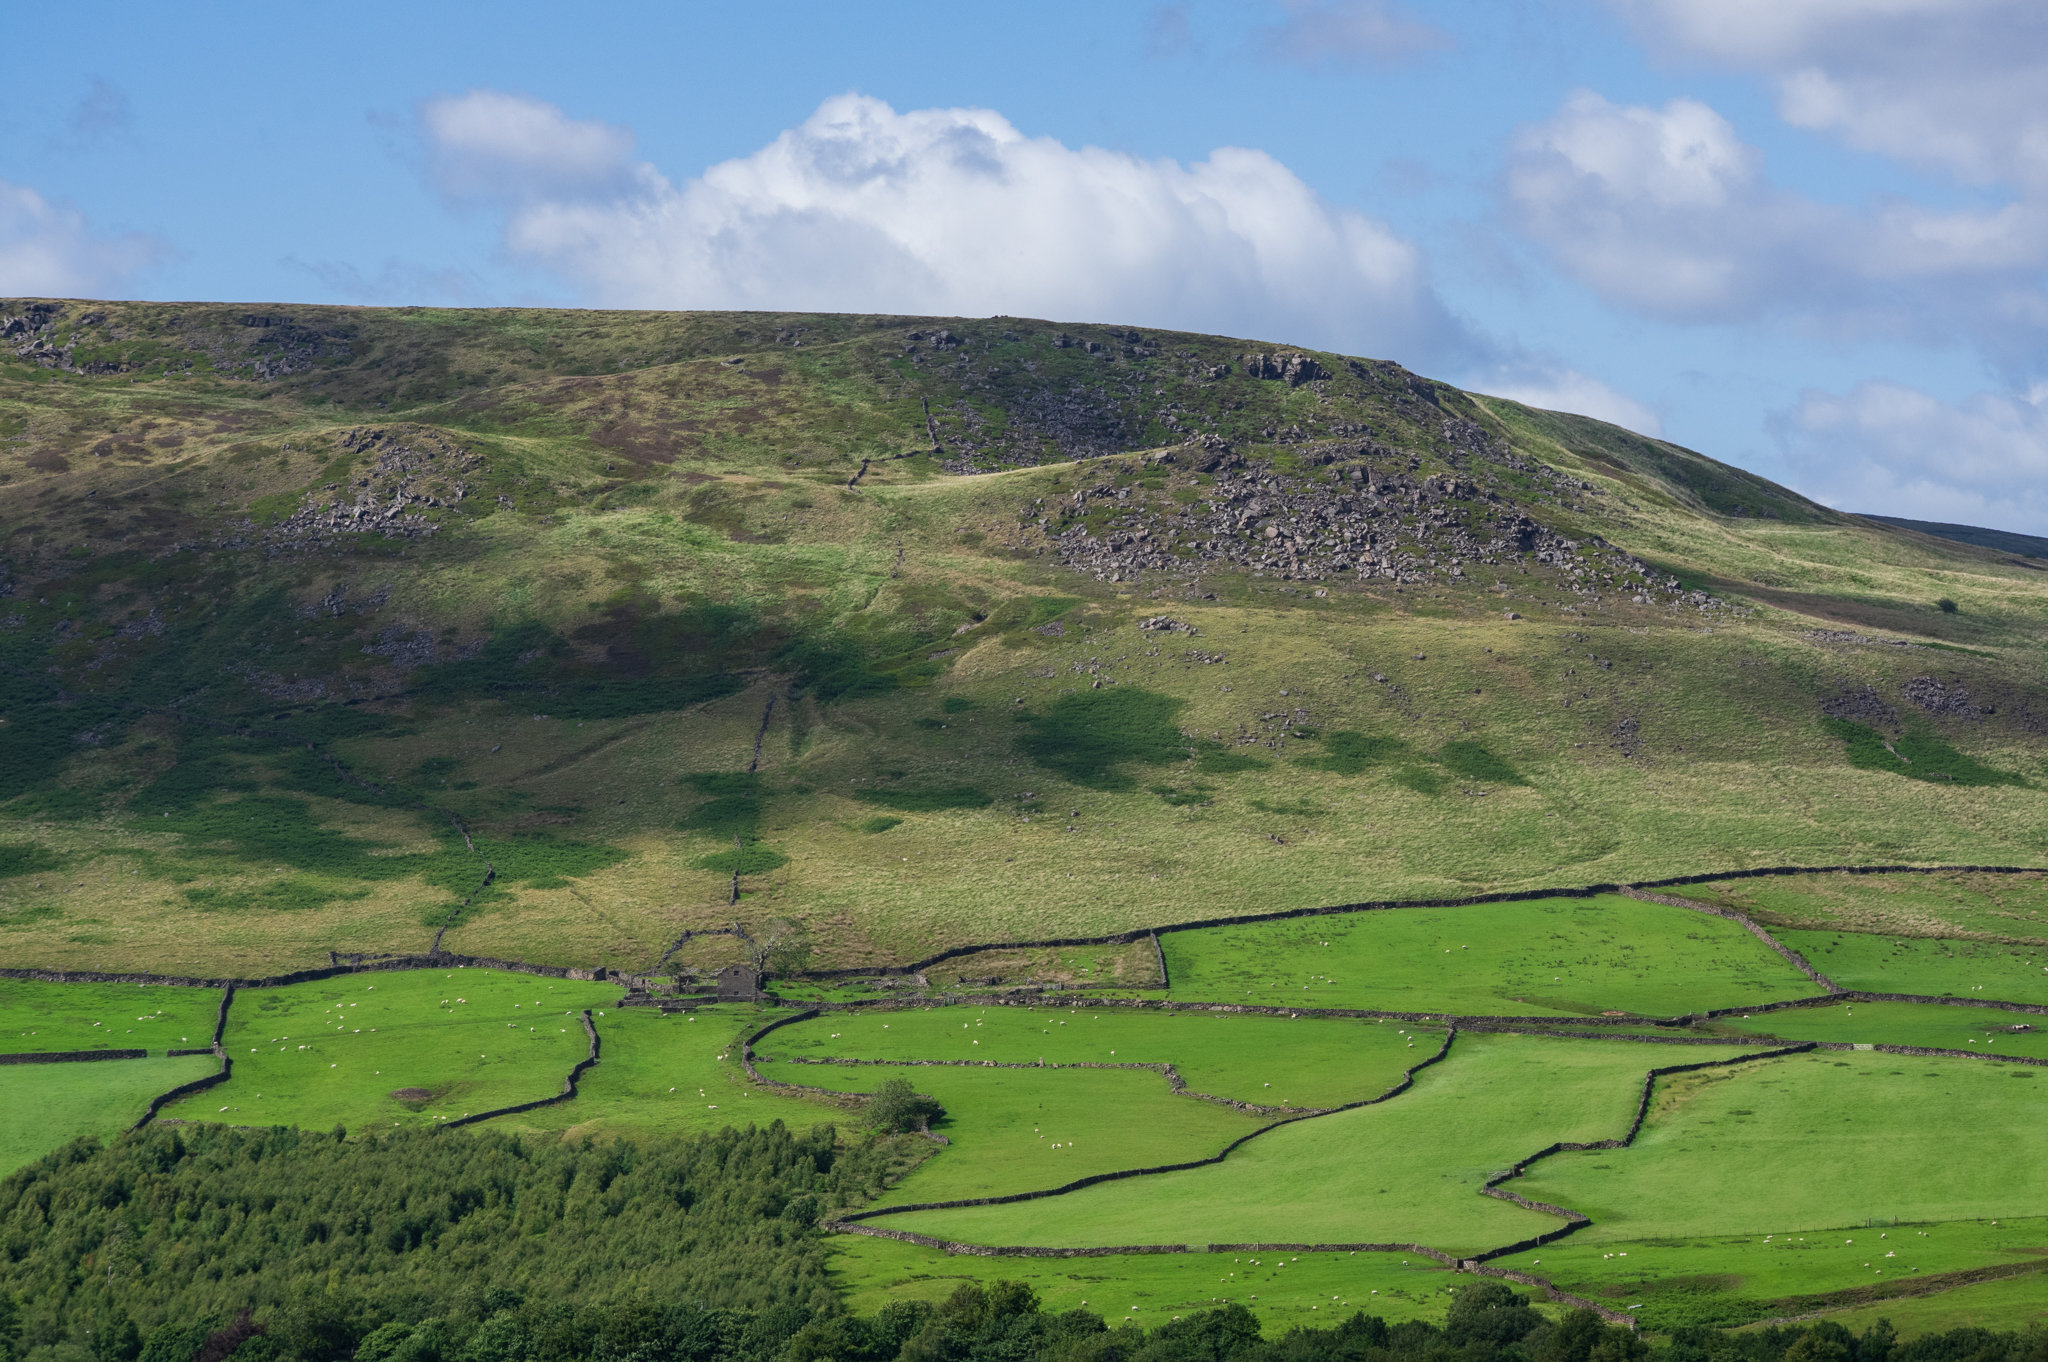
column 568, row 1086
column 85, row 1056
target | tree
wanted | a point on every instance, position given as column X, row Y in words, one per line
column 899, row 1108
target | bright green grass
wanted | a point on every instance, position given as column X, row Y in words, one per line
column 1024, row 1130
column 1938, row 969
column 1725, row 1281
column 1920, row 904
column 1404, row 1171
column 675, row 1076
column 1812, row 1141
column 1931, row 1024
column 37, row 1016
column 1543, row 956
column 42, row 1106
column 874, row 1272
column 332, row 1052
column 2016, row 1304
column 1273, row 1061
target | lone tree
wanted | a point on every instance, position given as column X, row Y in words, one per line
column 896, row 1107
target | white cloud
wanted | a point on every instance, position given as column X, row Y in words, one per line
column 488, row 145
column 50, row 251
column 1668, row 212
column 1950, row 84
column 1319, row 31
column 955, row 212
column 1893, row 450
column 1555, row 389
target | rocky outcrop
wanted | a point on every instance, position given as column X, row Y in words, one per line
column 1946, row 699
column 1352, row 516
column 410, row 474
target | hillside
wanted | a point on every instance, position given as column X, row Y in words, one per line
column 560, row 636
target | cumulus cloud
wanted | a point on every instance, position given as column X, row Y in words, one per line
column 1953, row 85
column 1668, row 212
column 1889, row 449
column 952, row 212
column 1314, row 32
column 50, row 251
column 490, row 146
column 1556, row 389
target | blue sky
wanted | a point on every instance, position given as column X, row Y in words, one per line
column 1805, row 236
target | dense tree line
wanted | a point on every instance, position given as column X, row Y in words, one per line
column 206, row 1244
column 192, row 1223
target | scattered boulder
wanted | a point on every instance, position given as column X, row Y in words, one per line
column 1168, row 624
column 1948, row 700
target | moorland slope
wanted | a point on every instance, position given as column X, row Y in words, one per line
column 562, row 636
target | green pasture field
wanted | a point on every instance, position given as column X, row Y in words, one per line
column 1555, row 956
column 36, row 1016
column 2015, row 1303
column 332, row 1052
column 1813, row 1141
column 1993, row 970
column 1724, row 1281
column 1932, row 904
column 1025, row 1130
column 873, row 1272
column 1273, row 1061
column 44, row 1106
column 1404, row 1171
column 674, row 1076
column 1934, row 1025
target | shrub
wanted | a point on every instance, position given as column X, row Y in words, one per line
column 897, row 1106
column 1947, row 606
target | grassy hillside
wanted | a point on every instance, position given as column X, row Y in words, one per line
column 538, row 634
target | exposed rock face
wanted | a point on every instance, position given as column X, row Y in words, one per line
column 1350, row 519
column 29, row 333
column 1293, row 370
column 280, row 346
column 262, row 346
column 408, row 476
